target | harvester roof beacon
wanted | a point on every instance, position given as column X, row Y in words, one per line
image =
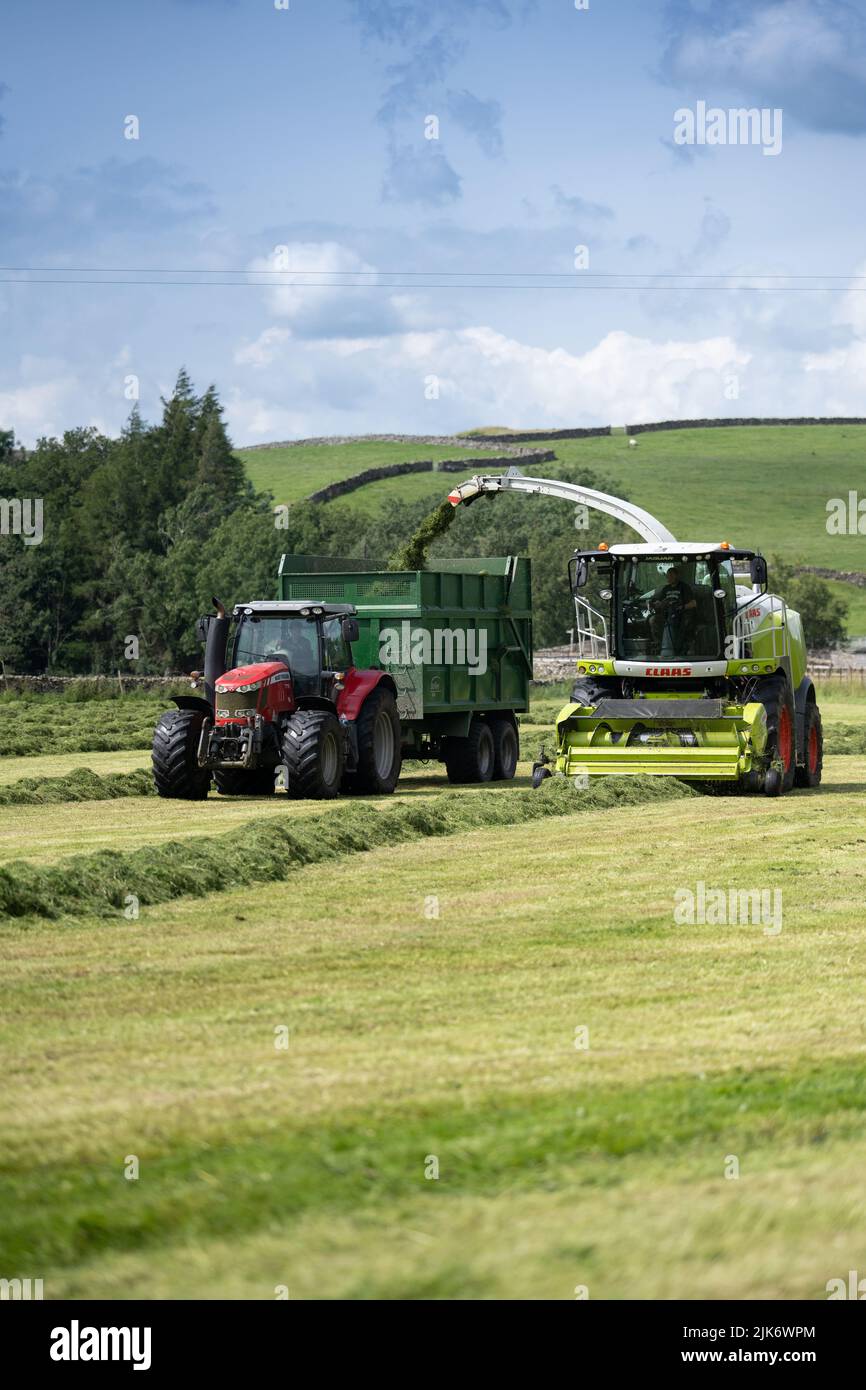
column 687, row 666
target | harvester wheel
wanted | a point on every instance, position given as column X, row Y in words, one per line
column 471, row 759
column 775, row 695
column 809, row 775
column 587, row 692
column 313, row 754
column 379, row 755
column 176, row 772
column 505, row 749
column 259, row 781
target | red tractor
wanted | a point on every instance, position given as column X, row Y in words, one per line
column 292, row 700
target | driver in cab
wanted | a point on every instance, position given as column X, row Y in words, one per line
column 674, row 613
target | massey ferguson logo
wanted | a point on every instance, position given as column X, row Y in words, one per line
column 668, row 671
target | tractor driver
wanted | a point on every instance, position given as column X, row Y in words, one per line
column 674, row 614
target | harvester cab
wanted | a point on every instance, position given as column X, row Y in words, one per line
column 687, row 666
column 287, row 705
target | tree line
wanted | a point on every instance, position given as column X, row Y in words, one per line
column 140, row 531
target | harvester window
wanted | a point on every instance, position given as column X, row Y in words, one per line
column 665, row 608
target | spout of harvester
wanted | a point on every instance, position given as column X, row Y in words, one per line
column 466, row 492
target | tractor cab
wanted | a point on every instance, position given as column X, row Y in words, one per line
column 312, row 643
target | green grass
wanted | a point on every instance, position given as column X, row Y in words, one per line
column 292, row 474
column 452, row 1036
column 264, row 850
column 854, row 596
column 81, row 785
column 62, row 764
column 761, row 486
column 48, row 725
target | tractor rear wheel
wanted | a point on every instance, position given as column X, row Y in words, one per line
column 379, row 754
column 471, row 759
column 313, row 754
column 257, row 781
column 809, row 775
column 505, row 749
column 774, row 693
column 176, row 772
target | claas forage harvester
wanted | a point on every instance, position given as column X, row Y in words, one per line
column 687, row 665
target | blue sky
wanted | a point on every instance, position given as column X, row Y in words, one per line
column 305, row 128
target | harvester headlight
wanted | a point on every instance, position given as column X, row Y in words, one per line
column 318, row 612
column 581, row 670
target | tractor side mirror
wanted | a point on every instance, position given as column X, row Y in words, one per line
column 202, row 626
column 351, row 631
column 758, row 571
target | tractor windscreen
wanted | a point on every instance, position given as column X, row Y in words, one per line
column 289, row 638
column 667, row 609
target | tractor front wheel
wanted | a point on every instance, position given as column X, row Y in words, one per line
column 176, row 772
column 313, row 754
column 379, row 753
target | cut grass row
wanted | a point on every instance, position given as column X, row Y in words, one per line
column 264, row 850
column 49, row 726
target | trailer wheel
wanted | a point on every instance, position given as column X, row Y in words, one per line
column 775, row 695
column 506, row 749
column 313, row 754
column 471, row 759
column 379, row 754
column 258, row 781
column 809, row 775
column 176, row 772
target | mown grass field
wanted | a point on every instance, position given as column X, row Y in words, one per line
column 413, row 1037
column 430, row 990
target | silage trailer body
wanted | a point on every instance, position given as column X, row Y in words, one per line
column 475, row 609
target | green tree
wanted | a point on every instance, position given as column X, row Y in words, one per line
column 824, row 615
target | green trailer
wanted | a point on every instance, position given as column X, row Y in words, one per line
column 456, row 639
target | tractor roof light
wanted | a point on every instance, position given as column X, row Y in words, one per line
column 603, row 545
column 725, row 545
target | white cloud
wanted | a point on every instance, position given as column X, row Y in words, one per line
column 317, row 309
column 43, row 401
column 263, row 350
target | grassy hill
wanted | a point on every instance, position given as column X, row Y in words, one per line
column 293, row 472
column 766, row 486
